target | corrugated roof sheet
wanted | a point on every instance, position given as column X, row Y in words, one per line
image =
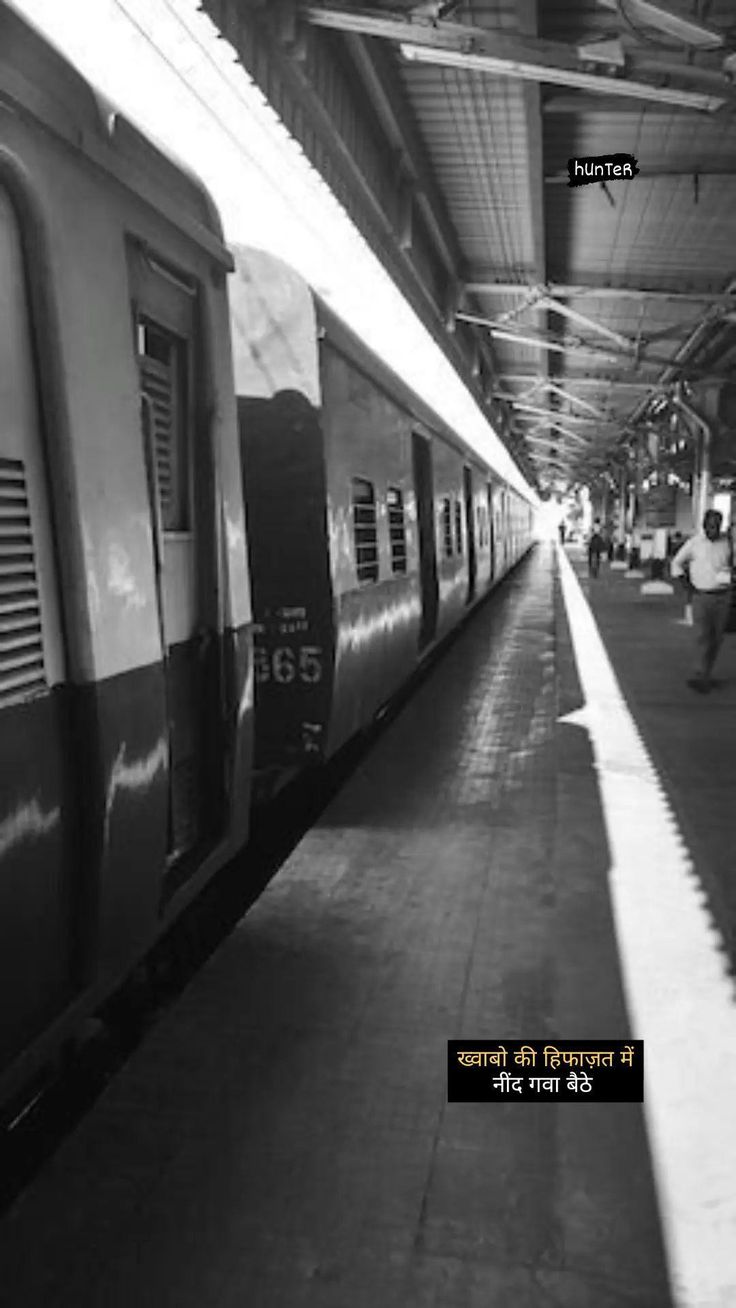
column 672, row 232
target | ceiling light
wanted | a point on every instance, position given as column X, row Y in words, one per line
column 561, row 76
column 654, row 15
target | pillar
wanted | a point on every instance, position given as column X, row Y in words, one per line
column 620, row 552
column 702, row 483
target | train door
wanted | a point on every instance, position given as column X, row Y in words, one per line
column 37, row 764
column 178, row 464
column 470, row 522
column 501, row 536
column 424, row 486
column 491, row 529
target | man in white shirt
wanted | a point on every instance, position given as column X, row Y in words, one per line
column 707, row 561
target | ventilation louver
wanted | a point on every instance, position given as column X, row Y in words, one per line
column 22, row 672
column 157, row 384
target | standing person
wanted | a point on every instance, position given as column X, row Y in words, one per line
column 674, row 543
column 706, row 562
column 562, row 529
column 596, row 547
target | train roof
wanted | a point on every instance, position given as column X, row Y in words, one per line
column 274, row 328
column 37, row 80
column 276, row 321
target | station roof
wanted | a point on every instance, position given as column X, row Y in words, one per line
column 446, row 128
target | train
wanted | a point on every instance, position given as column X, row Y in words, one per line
column 228, row 536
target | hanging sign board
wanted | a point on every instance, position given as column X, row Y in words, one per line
column 659, row 506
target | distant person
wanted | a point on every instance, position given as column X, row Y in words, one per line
column 705, row 562
column 675, row 541
column 596, row 547
column 563, row 532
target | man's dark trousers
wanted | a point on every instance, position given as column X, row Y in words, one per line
column 710, row 615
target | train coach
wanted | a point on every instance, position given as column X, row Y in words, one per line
column 125, row 624
column 372, row 527
column 156, row 459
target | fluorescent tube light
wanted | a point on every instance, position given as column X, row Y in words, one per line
column 654, row 15
column 561, row 76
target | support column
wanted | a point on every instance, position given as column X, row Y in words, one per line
column 620, row 552
column 634, row 568
column 703, row 483
column 657, row 584
column 702, row 474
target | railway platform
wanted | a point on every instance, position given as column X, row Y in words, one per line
column 283, row 1139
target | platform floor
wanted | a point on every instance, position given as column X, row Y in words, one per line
column 282, row 1138
column 690, row 737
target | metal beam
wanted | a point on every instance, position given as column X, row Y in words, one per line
column 528, row 23
column 575, row 346
column 401, row 25
column 557, row 413
column 572, row 380
column 521, row 401
column 535, row 70
column 652, row 170
column 545, row 343
column 686, row 30
column 576, row 437
column 584, row 103
column 487, row 284
column 679, row 360
column 583, row 320
column 382, row 83
column 539, row 383
column 561, row 441
column 575, row 399
column 529, row 302
column 501, row 53
column 380, row 78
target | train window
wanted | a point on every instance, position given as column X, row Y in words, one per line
column 396, row 528
column 458, row 527
column 365, row 532
column 163, row 363
column 447, row 527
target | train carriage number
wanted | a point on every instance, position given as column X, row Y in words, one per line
column 286, row 664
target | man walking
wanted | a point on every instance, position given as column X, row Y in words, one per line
column 706, row 562
column 596, row 547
